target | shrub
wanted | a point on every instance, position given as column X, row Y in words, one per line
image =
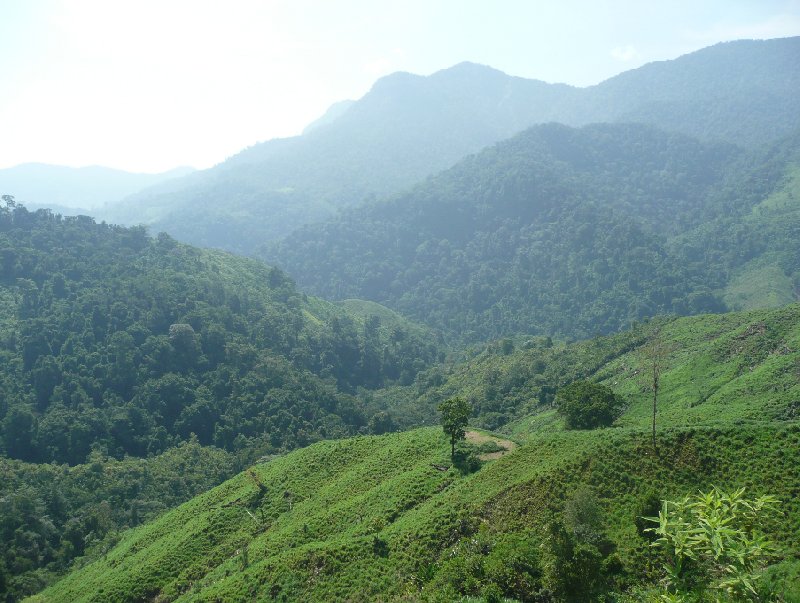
column 586, row 405
column 713, row 543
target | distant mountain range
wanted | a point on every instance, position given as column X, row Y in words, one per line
column 408, row 127
column 67, row 189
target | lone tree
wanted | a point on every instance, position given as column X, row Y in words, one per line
column 586, row 405
column 653, row 358
column 455, row 415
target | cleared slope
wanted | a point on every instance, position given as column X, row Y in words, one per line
column 374, row 518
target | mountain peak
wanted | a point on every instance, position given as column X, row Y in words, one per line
column 469, row 67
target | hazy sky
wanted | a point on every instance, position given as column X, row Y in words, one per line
column 147, row 85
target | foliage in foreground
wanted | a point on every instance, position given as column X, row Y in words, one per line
column 715, row 543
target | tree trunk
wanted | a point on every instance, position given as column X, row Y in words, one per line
column 655, row 400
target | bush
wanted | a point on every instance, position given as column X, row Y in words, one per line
column 465, row 458
column 714, row 543
column 586, row 405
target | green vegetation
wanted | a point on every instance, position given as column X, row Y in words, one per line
column 116, row 347
column 715, row 542
column 372, row 517
column 455, row 415
column 52, row 514
column 138, row 374
column 586, row 405
column 130, row 344
column 771, row 279
column 735, row 367
column 383, row 517
column 566, row 232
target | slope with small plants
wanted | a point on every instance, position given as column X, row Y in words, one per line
column 390, row 517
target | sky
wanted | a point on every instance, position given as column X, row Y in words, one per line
column 149, row 85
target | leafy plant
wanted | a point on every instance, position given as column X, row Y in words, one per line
column 713, row 543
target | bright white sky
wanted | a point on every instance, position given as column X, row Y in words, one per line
column 147, row 85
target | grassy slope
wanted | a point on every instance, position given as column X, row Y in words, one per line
column 728, row 417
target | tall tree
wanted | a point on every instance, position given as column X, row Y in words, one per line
column 455, row 416
column 653, row 355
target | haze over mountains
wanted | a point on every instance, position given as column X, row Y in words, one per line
column 408, row 127
column 86, row 189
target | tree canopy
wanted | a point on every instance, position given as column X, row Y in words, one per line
column 455, row 416
column 586, row 405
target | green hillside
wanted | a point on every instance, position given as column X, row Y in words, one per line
column 115, row 339
column 568, row 232
column 721, row 368
column 387, row 518
column 118, row 349
column 50, row 513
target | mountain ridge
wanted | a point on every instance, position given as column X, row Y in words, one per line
column 598, row 225
column 85, row 188
column 408, row 127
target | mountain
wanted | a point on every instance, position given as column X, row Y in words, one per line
column 71, row 189
column 557, row 517
column 737, row 92
column 570, row 232
column 408, row 127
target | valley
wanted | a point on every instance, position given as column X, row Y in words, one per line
column 236, row 383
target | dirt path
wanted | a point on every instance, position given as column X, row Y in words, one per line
column 480, row 438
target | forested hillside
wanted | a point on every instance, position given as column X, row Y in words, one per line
column 566, row 231
column 116, row 346
column 115, row 339
column 408, row 127
column 558, row 518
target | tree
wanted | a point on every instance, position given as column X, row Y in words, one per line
column 653, row 356
column 455, row 415
column 586, row 405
